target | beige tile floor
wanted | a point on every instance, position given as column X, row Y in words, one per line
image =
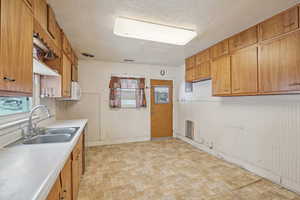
column 170, row 170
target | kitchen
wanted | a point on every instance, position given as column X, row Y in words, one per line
column 118, row 100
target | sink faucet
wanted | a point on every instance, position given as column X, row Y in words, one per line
column 31, row 128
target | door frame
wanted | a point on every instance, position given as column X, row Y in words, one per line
column 171, row 99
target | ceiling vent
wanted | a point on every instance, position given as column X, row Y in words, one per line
column 88, row 55
column 128, row 60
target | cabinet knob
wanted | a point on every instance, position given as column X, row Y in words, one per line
column 9, row 79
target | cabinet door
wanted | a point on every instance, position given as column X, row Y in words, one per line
column 53, row 27
column 243, row 39
column 40, row 12
column 190, row 75
column 66, row 180
column 55, row 191
column 76, row 167
column 244, row 71
column 202, row 57
column 29, row 3
column 280, row 24
column 279, row 68
column 66, row 46
column 220, row 49
column 202, row 71
column 221, row 78
column 66, row 76
column 16, row 47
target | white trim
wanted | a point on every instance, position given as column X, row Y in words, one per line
column 118, row 141
column 245, row 165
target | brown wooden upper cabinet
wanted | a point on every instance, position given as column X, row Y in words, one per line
column 279, row 68
column 202, row 57
column 220, row 49
column 243, row 39
column 282, row 23
column 66, row 46
column 190, row 69
column 75, row 69
column 66, row 181
column 202, row 65
column 221, row 76
column 29, row 3
column 66, row 76
column 40, row 10
column 190, row 75
column 55, row 193
column 53, row 28
column 244, row 71
column 16, row 49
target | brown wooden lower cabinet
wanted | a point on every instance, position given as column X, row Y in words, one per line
column 244, row 71
column 67, row 185
column 77, row 167
column 66, row 181
column 221, row 76
column 55, row 193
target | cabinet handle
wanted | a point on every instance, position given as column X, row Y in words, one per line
column 65, row 191
column 294, row 84
column 9, row 79
column 237, row 89
column 288, row 25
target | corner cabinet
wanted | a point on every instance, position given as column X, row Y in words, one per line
column 16, row 48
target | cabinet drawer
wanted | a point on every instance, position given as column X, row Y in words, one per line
column 280, row 24
column 243, row 39
column 202, row 57
column 220, row 49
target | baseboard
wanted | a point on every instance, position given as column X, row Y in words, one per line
column 290, row 185
column 117, row 141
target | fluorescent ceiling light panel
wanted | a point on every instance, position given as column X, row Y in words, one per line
column 153, row 32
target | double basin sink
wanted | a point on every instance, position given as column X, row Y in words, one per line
column 52, row 135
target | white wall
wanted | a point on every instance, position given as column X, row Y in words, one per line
column 107, row 126
column 261, row 133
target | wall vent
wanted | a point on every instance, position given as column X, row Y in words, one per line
column 189, row 129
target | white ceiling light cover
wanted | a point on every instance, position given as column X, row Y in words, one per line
column 153, row 32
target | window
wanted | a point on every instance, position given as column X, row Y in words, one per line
column 14, row 105
column 161, row 94
column 127, row 92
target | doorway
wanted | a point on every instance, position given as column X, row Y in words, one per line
column 161, row 108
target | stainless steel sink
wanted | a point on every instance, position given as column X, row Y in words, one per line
column 67, row 130
column 41, row 139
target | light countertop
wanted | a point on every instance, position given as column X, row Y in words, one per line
column 28, row 172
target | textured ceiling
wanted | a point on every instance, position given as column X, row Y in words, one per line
column 89, row 25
